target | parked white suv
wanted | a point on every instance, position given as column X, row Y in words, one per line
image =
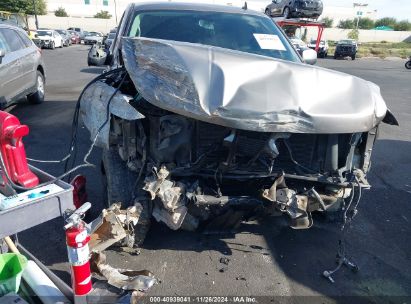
column 50, row 38
column 323, row 49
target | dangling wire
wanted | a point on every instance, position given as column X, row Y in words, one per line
column 348, row 216
column 85, row 163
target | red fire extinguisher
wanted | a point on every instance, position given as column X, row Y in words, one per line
column 77, row 240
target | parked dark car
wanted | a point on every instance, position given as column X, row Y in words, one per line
column 295, row 8
column 199, row 124
column 345, row 48
column 66, row 37
column 21, row 67
column 109, row 40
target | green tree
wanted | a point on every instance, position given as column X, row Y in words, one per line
column 24, row 6
column 366, row 23
column 328, row 22
column 353, row 34
column 103, row 15
column 346, row 24
column 403, row 25
column 387, row 21
column 60, row 12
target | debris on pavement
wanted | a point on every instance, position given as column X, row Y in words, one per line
column 114, row 225
column 224, row 260
column 129, row 280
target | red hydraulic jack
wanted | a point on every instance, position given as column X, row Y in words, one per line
column 305, row 23
column 13, row 152
column 77, row 239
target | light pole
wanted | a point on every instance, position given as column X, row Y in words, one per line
column 115, row 10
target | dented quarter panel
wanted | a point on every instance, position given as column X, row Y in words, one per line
column 209, row 84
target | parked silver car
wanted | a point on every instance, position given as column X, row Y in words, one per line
column 93, row 37
column 21, row 67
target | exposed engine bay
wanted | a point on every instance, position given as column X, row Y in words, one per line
column 190, row 171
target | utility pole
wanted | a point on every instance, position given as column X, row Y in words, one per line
column 35, row 15
column 359, row 12
column 115, row 10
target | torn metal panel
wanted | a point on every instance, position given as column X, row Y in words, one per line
column 174, row 219
column 154, row 181
column 250, row 92
column 93, row 109
column 112, row 226
column 288, row 201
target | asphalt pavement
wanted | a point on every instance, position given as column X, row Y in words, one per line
column 266, row 258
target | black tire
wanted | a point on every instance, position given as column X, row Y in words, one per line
column 267, row 12
column 286, row 12
column 335, row 56
column 408, row 65
column 38, row 96
column 61, row 45
column 119, row 182
column 52, row 46
column 353, row 57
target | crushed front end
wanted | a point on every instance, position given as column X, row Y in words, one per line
column 205, row 145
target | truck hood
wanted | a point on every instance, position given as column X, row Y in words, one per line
column 250, row 92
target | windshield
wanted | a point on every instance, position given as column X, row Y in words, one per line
column 61, row 32
column 93, row 34
column 111, row 36
column 241, row 32
column 44, row 33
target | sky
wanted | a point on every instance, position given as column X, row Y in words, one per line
column 400, row 9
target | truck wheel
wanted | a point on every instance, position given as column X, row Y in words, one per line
column 119, row 182
column 353, row 57
column 408, row 65
column 38, row 96
column 52, row 45
column 335, row 56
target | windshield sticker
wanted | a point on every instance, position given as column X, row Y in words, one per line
column 269, row 42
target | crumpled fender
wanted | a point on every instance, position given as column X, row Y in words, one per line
column 93, row 110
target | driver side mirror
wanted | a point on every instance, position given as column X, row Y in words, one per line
column 2, row 54
column 309, row 56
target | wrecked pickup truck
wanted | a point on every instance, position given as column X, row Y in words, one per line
column 209, row 116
